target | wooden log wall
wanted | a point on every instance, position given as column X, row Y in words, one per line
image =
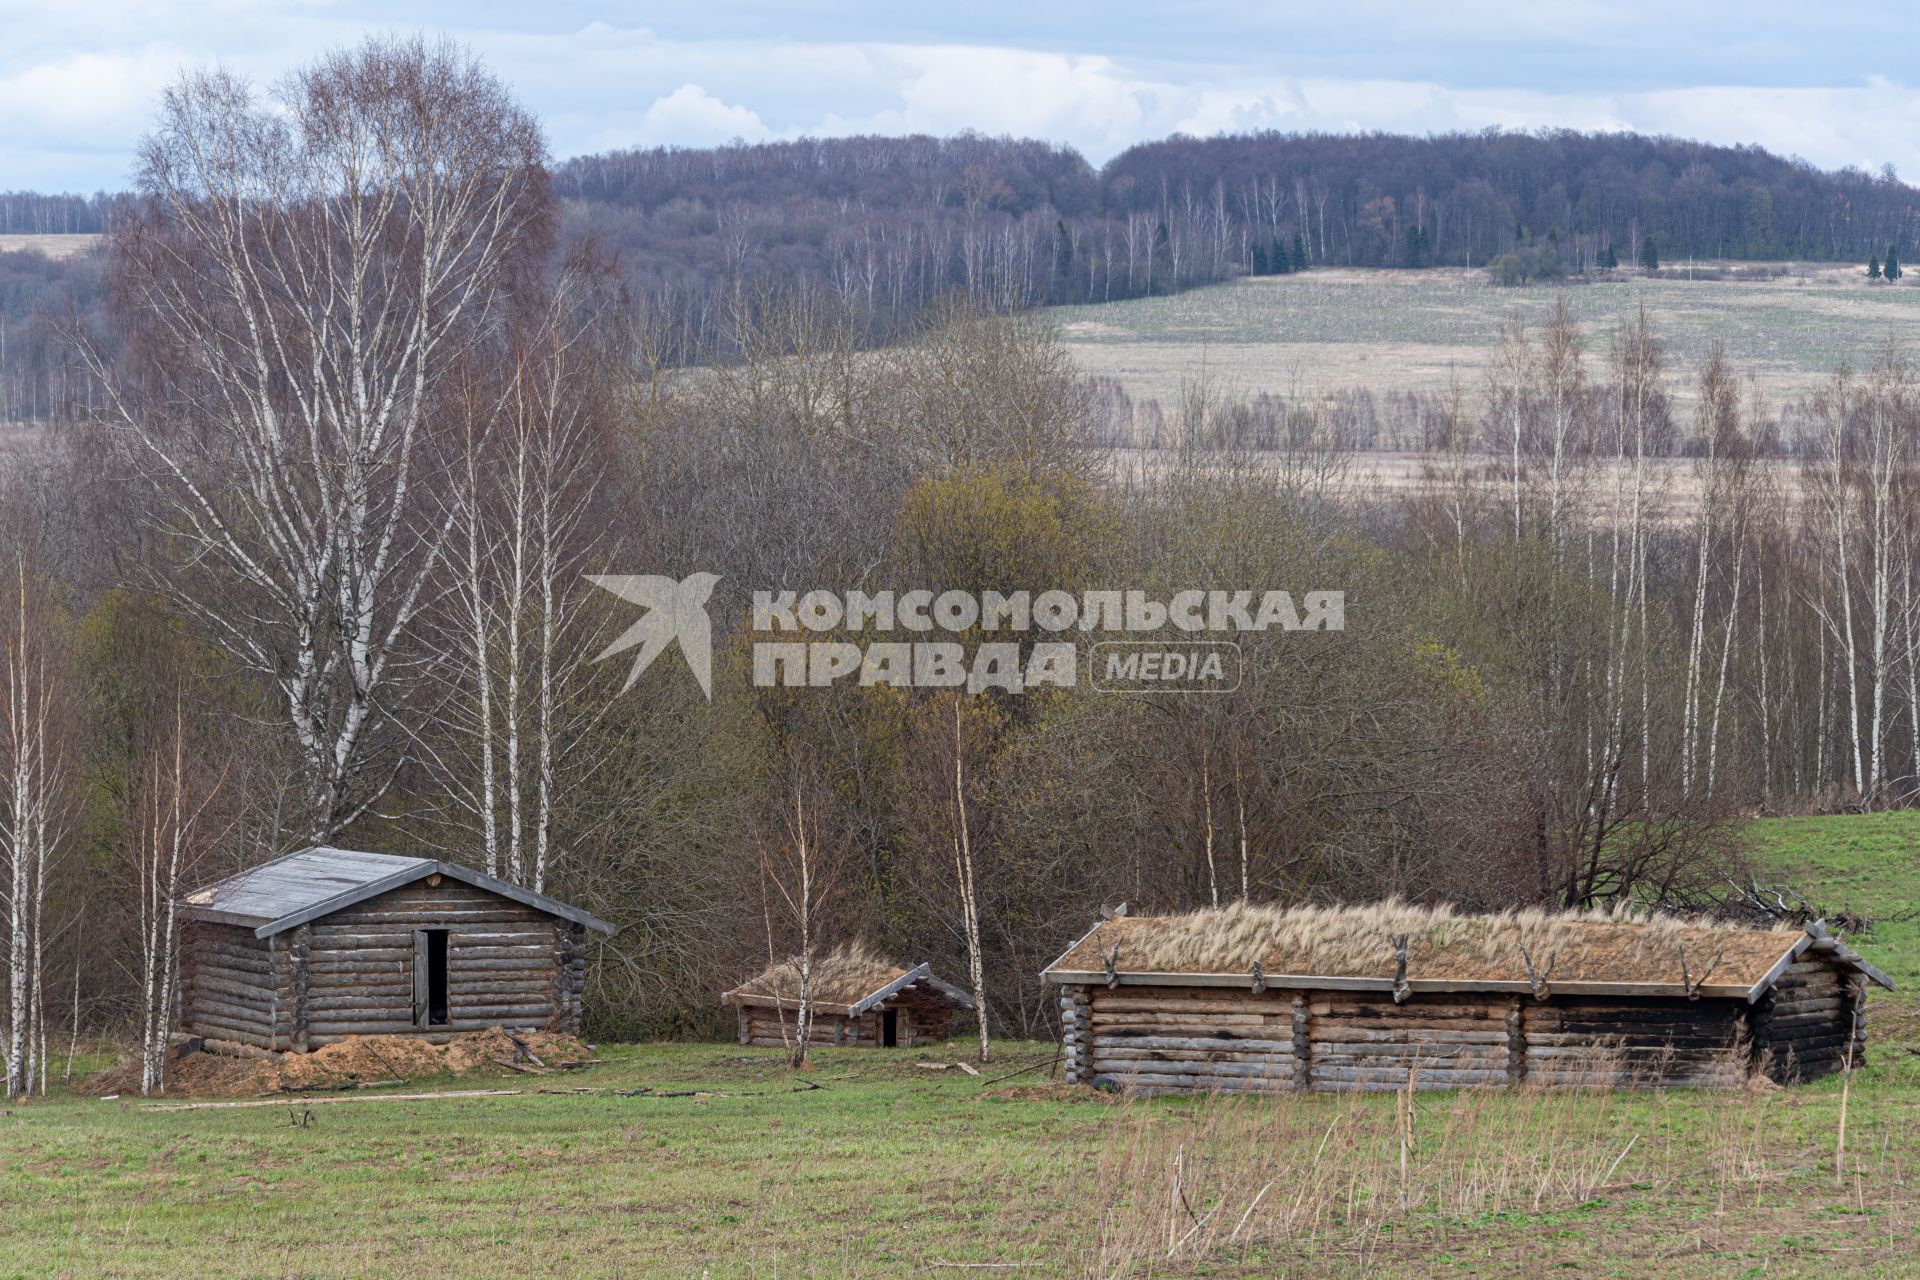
column 771, row 1027
column 1603, row 1040
column 925, row 1016
column 1188, row 1039
column 1802, row 1027
column 1363, row 1042
column 507, row 965
column 1198, row 1039
column 925, row 1026
column 1075, row 1034
column 569, row 976
column 236, row 988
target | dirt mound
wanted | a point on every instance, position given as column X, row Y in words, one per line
column 357, row 1060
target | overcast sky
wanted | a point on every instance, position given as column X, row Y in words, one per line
column 1832, row 82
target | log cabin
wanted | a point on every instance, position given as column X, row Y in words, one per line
column 1383, row 997
column 326, row 943
column 859, row 1000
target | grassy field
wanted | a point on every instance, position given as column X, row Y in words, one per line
column 871, row 1165
column 55, row 247
column 1412, row 330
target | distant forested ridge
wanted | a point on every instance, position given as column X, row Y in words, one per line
column 891, row 221
column 1385, row 200
column 888, row 226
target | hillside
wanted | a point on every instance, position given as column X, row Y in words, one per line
column 892, row 225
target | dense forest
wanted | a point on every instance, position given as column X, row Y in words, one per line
column 893, row 225
column 309, row 564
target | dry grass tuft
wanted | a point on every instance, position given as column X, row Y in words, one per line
column 1359, row 941
column 1319, row 1181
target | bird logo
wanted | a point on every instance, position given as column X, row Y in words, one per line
column 674, row 611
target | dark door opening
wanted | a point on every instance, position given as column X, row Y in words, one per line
column 890, row 1029
column 430, row 977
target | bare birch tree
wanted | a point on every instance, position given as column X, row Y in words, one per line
column 515, row 647
column 964, row 877
column 35, row 773
column 166, row 847
column 801, row 859
column 301, row 274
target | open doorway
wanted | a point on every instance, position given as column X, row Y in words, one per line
column 430, row 977
column 890, row 1029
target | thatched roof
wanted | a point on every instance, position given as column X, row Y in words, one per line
column 848, row 980
column 1356, row 948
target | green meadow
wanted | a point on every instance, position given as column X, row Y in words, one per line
column 710, row 1160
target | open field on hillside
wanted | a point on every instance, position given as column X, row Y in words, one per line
column 1414, row 330
column 1602, row 488
column 732, row 1166
column 53, row 246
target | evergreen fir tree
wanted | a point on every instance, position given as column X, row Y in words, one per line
column 1259, row 267
column 1892, row 269
column 1609, row 259
column 1282, row 264
column 1873, row 267
column 1417, row 246
column 1649, row 256
column 1299, row 253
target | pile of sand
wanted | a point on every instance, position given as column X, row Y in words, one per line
column 357, row 1060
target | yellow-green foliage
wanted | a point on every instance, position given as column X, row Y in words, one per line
column 996, row 528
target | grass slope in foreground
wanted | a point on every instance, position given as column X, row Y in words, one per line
column 889, row 1169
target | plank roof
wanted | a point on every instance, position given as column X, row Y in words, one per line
column 296, row 888
column 1357, row 948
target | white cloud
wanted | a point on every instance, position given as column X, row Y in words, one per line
column 74, row 97
column 693, row 117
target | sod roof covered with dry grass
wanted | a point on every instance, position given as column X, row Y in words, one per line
column 840, row 979
column 1443, row 945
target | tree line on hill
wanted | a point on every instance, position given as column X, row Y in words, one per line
column 891, row 226
column 314, row 564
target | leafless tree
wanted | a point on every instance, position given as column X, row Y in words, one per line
column 36, row 774
column 167, row 848
column 517, row 639
column 302, row 273
column 801, row 865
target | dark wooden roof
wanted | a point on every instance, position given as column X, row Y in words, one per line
column 298, row 887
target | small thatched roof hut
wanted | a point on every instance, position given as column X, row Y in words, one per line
column 1360, row 997
column 858, row 998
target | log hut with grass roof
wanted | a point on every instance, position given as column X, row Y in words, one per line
column 859, row 999
column 1249, row 998
column 326, row 943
